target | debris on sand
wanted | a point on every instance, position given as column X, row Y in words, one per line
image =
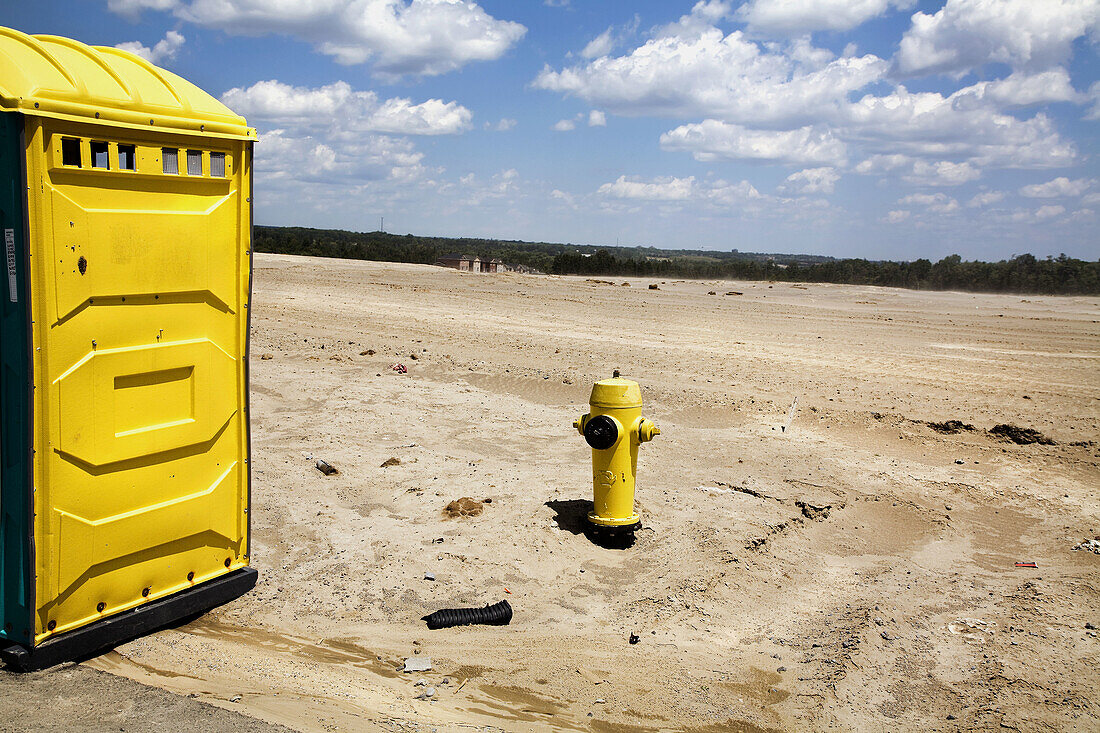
column 418, row 664
column 1020, row 436
column 973, row 630
column 626, row 285
column 368, row 352
column 814, row 510
column 391, row 461
column 712, row 292
column 326, row 468
column 497, row 614
column 464, row 507
column 594, row 281
column 950, row 427
column 735, row 292
column 653, row 286
column 400, row 368
column 1092, row 545
column 267, row 357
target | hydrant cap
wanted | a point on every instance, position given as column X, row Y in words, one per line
column 616, row 393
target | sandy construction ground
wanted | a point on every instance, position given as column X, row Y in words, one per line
column 856, row 571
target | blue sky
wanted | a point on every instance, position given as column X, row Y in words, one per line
column 889, row 129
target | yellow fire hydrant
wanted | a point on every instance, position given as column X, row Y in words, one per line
column 615, row 428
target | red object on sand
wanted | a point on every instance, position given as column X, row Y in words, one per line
column 1026, row 565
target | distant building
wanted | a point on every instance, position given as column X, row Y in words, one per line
column 463, row 263
column 471, row 263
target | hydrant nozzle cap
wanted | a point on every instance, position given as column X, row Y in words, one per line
column 616, row 393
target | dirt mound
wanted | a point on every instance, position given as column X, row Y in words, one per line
column 1022, row 436
column 464, row 507
column 950, row 427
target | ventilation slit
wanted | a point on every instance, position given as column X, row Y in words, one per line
column 170, row 156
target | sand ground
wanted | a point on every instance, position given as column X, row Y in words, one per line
column 853, row 572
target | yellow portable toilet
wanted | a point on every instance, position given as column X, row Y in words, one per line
column 125, row 206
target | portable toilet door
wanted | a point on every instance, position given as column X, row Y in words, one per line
column 125, row 206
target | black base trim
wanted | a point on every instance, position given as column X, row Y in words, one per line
column 101, row 636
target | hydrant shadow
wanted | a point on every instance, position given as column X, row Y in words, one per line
column 571, row 515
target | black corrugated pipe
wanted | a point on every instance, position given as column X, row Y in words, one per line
column 498, row 614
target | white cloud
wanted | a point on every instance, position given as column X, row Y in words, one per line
column 967, row 34
column 1049, row 212
column 1091, row 198
column 398, row 37
column 803, row 16
column 929, row 124
column 1060, row 187
column 723, row 77
column 164, row 50
column 283, row 158
column 711, row 140
column 1021, row 89
column 878, row 164
column 1094, row 95
column 935, row 202
column 811, row 180
column 897, row 216
column 918, row 171
column 341, row 108
column 564, row 126
column 693, row 70
column 941, row 173
column 132, row 8
column 660, row 189
column 596, row 118
column 986, row 198
column 601, row 45
column 706, row 197
column 505, row 124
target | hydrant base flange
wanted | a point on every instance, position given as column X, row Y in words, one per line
column 617, row 523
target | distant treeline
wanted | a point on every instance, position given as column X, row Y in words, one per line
column 1022, row 274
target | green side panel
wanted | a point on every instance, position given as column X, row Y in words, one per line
column 16, row 535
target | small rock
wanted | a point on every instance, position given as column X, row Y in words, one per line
column 235, row 698
column 947, row 507
column 780, row 669
column 391, row 461
column 420, row 683
column 600, row 700
column 1090, row 625
column 368, row 352
column 414, row 357
column 959, row 461
column 446, row 681
column 878, row 621
column 427, row 694
column 429, row 576
column 951, row 717
column 267, row 357
column 634, row 639
column 888, row 636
